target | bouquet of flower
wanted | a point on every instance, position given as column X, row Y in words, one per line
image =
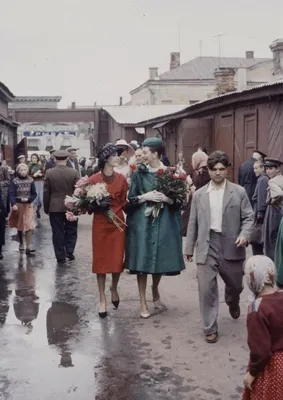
column 91, row 199
column 173, row 186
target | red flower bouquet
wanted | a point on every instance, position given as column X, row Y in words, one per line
column 172, row 185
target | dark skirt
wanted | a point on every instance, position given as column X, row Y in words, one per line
column 270, row 230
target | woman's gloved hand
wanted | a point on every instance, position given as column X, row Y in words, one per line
column 166, row 199
column 153, row 196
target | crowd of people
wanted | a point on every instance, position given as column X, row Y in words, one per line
column 219, row 220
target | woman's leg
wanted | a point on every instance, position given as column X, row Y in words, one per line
column 21, row 240
column 142, row 282
column 155, row 293
column 101, row 278
column 28, row 240
column 114, row 293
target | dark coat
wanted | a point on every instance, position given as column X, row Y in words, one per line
column 59, row 182
column 247, row 178
column 51, row 163
column 260, row 195
column 77, row 167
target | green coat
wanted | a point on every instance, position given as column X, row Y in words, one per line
column 278, row 255
column 152, row 247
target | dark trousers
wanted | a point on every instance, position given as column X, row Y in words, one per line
column 64, row 234
column 257, row 249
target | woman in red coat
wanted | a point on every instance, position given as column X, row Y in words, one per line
column 108, row 242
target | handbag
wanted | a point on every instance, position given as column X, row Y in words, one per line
column 256, row 236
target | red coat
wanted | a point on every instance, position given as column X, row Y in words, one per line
column 108, row 243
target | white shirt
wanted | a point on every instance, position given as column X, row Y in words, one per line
column 216, row 196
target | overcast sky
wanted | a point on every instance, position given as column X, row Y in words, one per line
column 97, row 50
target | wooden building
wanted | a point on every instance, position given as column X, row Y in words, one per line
column 236, row 123
column 8, row 128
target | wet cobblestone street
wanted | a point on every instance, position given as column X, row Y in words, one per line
column 53, row 345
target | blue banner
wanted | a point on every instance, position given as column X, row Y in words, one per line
column 45, row 133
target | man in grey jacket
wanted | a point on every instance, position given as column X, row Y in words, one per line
column 221, row 222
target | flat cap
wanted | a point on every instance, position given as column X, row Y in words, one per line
column 153, row 142
column 21, row 156
column 61, row 154
column 72, row 149
column 272, row 162
column 51, row 151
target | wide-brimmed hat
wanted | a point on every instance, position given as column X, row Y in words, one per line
column 123, row 143
column 263, row 155
column 272, row 162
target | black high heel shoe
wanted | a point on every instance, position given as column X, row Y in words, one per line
column 103, row 314
column 115, row 302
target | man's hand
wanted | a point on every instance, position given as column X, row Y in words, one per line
column 15, row 208
column 248, row 381
column 241, row 242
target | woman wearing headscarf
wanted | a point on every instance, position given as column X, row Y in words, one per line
column 199, row 164
column 108, row 243
column 125, row 152
column 150, row 250
column 22, row 193
column 263, row 380
column 36, row 172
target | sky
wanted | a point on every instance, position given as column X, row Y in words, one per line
column 98, row 50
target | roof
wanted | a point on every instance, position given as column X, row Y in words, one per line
column 20, row 99
column 204, row 67
column 9, row 95
column 255, row 93
column 131, row 115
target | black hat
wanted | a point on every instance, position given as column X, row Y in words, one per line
column 272, row 162
column 51, row 151
column 106, row 151
column 263, row 155
column 61, row 154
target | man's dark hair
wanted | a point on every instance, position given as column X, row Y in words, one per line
column 217, row 157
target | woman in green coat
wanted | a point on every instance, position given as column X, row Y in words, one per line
column 278, row 255
column 152, row 247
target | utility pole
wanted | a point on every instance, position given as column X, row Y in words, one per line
column 219, row 46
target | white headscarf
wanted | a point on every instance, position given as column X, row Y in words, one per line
column 259, row 271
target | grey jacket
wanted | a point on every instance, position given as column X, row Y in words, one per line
column 58, row 183
column 237, row 221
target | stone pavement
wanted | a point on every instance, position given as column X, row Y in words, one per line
column 120, row 358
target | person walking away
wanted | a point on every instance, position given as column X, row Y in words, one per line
column 51, row 163
column 125, row 152
column 263, row 380
column 4, row 202
column 259, row 201
column 22, row 193
column 36, row 172
column 274, row 205
column 60, row 182
column 108, row 242
column 72, row 161
column 200, row 172
column 246, row 176
column 150, row 250
column 221, row 222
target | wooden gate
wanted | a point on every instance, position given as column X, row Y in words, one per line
column 224, row 137
column 195, row 133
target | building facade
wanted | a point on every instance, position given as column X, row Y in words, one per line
column 196, row 80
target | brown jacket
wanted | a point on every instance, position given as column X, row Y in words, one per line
column 59, row 182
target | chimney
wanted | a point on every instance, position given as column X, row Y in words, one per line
column 277, row 50
column 174, row 60
column 73, row 105
column 249, row 54
column 225, row 80
column 121, row 101
column 153, row 73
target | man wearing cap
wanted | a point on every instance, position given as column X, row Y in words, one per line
column 60, row 182
column 72, row 161
column 274, row 205
column 246, row 177
column 51, row 163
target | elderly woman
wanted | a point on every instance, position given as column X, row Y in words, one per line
column 108, row 243
column 125, row 152
column 150, row 250
column 22, row 194
column 263, row 380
